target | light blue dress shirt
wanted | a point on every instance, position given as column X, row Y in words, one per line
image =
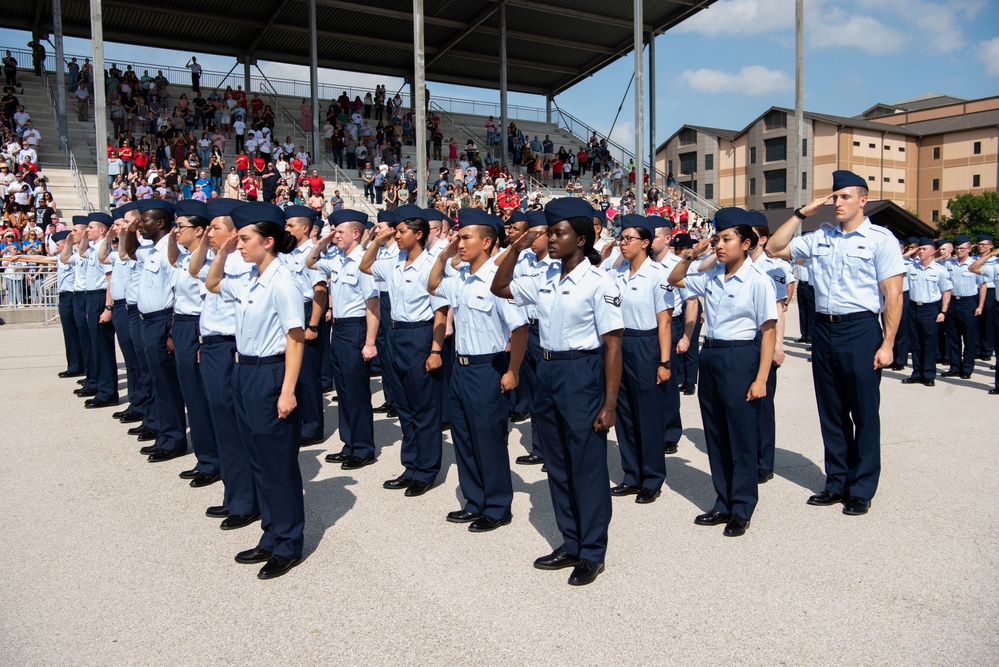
column 156, row 277
column 530, row 266
column 407, row 287
column 306, row 278
column 96, row 273
column 79, row 272
column 964, row 283
column 121, row 272
column 990, row 272
column 188, row 290
column 643, row 295
column 268, row 306
column 736, row 308
column 385, row 252
column 350, row 288
column 482, row 321
column 927, row 283
column 65, row 275
column 218, row 314
column 773, row 270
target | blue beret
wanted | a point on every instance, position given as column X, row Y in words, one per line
column 659, row 221
column 257, row 211
column 128, row 206
column 299, row 211
column 516, row 216
column 117, row 213
column 385, row 216
column 682, row 240
column 911, row 240
column 80, row 220
column 536, row 219
column 59, row 236
column 349, row 215
column 409, row 212
column 985, row 237
column 759, row 220
column 726, row 218
column 433, row 214
column 633, row 220
column 563, row 208
column 155, row 205
column 186, row 207
column 476, row 216
column 102, row 218
column 926, row 240
column 961, row 238
column 221, row 207
column 846, row 179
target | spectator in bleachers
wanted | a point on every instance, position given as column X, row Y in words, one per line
column 306, row 110
column 232, row 184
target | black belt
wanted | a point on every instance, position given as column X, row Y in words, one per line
column 476, row 359
column 958, row 298
column 69, row 292
column 925, row 303
column 118, row 302
column 131, row 308
column 410, row 325
column 259, row 361
column 803, row 282
column 559, row 355
column 177, row 317
column 209, row 340
column 348, row 320
column 532, row 321
column 155, row 313
column 710, row 342
column 640, row 333
column 835, row 319
column 94, row 291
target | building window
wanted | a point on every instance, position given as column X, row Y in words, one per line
column 887, row 180
column 936, row 153
column 709, row 191
column 752, row 187
column 775, row 120
column 901, row 149
column 872, row 145
column 752, row 155
column 804, row 148
column 936, row 184
column 977, row 148
column 857, row 144
column 774, row 205
column 775, row 180
column 688, row 163
column 709, row 161
column 776, row 149
column 688, row 136
column 901, row 181
column 934, row 215
column 870, row 178
column 887, row 147
column 804, row 180
column 976, row 181
column 669, row 166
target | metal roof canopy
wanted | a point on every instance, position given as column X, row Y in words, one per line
column 551, row 44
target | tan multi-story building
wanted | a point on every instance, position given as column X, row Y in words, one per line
column 919, row 154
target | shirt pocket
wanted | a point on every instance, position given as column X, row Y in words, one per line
column 859, row 262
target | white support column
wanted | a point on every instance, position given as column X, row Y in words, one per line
column 419, row 104
column 652, row 106
column 639, row 108
column 314, row 84
column 100, row 111
column 503, row 85
column 799, row 114
column 60, row 73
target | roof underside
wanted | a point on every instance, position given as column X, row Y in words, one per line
column 551, row 44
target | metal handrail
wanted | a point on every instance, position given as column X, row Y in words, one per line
column 344, row 181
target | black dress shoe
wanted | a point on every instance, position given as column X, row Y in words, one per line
column 462, row 516
column 984, row 357
column 253, row 556
column 646, row 496
column 445, row 427
column 993, row 392
column 808, row 348
column 164, row 455
column 689, row 391
column 97, row 403
column 682, row 387
column 897, row 367
column 399, row 482
column 529, row 460
column 856, row 506
column 391, row 412
column 119, row 414
column 139, row 430
column 417, row 488
column 308, row 442
column 484, row 524
column 234, row 521
column 189, row 474
column 85, row 393
column 148, row 449
column 671, row 447
column 764, row 476
column 147, row 435
column 384, row 407
column 356, row 462
column 276, row 566
column 327, row 389
column 950, row 374
column 965, row 376
column 736, row 527
column 825, row 499
column 81, row 382
column 339, row 457
column 204, row 479
column 624, row 490
column 70, row 374
column 556, row 560
column 912, row 380
column 929, row 383
column 517, row 417
column 131, row 417
column 217, row 512
column 544, row 468
column 712, row 518
column 585, row 572
column 801, row 340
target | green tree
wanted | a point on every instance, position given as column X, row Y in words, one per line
column 971, row 214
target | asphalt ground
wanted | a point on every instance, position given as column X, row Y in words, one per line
column 113, row 562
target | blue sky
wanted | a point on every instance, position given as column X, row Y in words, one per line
column 729, row 63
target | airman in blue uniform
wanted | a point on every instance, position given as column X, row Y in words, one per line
column 65, row 279
column 967, row 301
column 99, row 314
column 929, row 300
column 79, row 262
column 987, row 266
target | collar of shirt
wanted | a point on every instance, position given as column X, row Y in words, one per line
column 577, row 273
column 863, row 230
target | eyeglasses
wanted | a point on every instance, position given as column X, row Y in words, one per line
column 625, row 240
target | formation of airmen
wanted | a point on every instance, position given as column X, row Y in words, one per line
column 234, row 318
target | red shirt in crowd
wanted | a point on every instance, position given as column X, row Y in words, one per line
column 125, row 153
column 142, row 160
column 250, row 186
column 259, row 164
column 297, row 165
column 557, row 166
column 581, row 157
column 316, row 184
column 242, row 162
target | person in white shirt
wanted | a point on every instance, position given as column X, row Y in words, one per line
column 27, row 152
column 21, row 118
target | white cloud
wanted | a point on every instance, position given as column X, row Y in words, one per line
column 741, row 17
column 835, row 28
column 750, row 80
column 934, row 26
column 988, row 53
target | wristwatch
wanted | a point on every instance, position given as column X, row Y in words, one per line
column 108, row 308
column 798, row 214
column 664, row 364
column 313, row 328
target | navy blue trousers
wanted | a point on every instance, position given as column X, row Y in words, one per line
column 143, row 401
column 923, row 336
column 900, row 350
column 569, row 395
column 962, row 334
column 217, row 364
column 641, row 404
column 352, row 377
column 520, row 397
column 199, row 414
column 848, row 396
column 326, row 353
column 685, row 365
column 309, row 390
column 271, row 445
column 119, row 318
column 479, row 425
column 680, row 366
column 529, row 370
column 447, row 366
column 988, row 323
column 70, row 333
column 168, row 401
column 102, row 340
column 767, row 432
column 83, row 333
column 389, row 381
column 806, row 309
column 731, row 426
column 417, row 396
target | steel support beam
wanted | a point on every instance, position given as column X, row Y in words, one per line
column 453, row 42
column 420, row 105
column 639, row 108
column 652, row 106
column 60, row 73
column 100, row 99
column 799, row 88
column 503, row 85
column 314, row 84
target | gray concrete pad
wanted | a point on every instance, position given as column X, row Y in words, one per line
column 111, row 561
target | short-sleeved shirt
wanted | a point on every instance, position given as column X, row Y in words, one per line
column 188, row 290
column 407, row 286
column 847, row 268
column 964, row 282
column 268, row 306
column 990, row 272
column 65, row 275
column 928, row 283
column 350, row 288
column 736, row 308
column 134, row 273
column 482, row 321
column 643, row 295
column 305, row 278
column 773, row 270
column 529, row 265
column 574, row 311
column 121, row 271
column 155, row 277
column 96, row 271
column 218, row 315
